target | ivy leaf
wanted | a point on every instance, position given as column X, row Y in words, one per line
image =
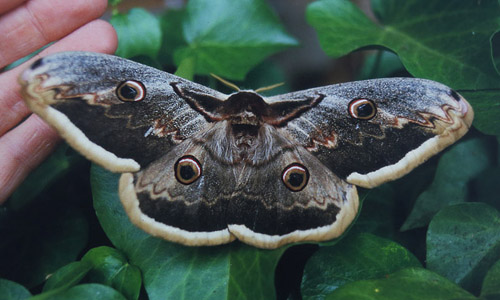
column 43, row 240
column 53, row 168
column 85, row 292
column 174, row 271
column 11, row 290
column 463, row 241
column 486, row 110
column 441, row 40
column 110, row 267
column 67, row 276
column 228, row 37
column 380, row 64
column 375, row 214
column 451, row 181
column 485, row 187
column 139, row 33
column 408, row 284
column 356, row 257
column 491, row 283
column 171, row 23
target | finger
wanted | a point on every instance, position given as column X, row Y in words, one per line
column 21, row 150
column 98, row 36
column 39, row 22
column 6, row 5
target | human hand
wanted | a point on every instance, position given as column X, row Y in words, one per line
column 25, row 26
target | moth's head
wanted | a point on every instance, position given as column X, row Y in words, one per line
column 245, row 108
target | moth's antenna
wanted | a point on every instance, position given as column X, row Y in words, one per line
column 229, row 84
column 270, row 87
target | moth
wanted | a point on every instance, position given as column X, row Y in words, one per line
column 205, row 168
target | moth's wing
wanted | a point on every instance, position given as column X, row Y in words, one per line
column 415, row 119
column 193, row 214
column 238, row 200
column 76, row 93
column 266, row 214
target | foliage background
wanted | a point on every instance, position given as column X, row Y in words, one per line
column 434, row 234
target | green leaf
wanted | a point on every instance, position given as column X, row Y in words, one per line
column 356, row 257
column 380, row 64
column 451, row 181
column 67, row 276
column 171, row 22
column 485, row 187
column 172, row 271
column 228, row 37
column 486, row 109
column 11, row 290
column 86, row 292
column 266, row 74
column 463, row 241
column 491, row 283
column 45, row 238
column 186, row 68
column 53, row 168
column 376, row 213
column 408, row 284
column 110, row 267
column 139, row 33
column 441, row 40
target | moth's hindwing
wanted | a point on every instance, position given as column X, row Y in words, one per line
column 251, row 202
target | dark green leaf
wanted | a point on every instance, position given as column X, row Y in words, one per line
column 110, row 267
column 67, row 276
column 376, row 213
column 88, row 291
column 228, row 37
column 447, row 41
column 486, row 106
column 356, row 257
column 463, row 241
column 485, row 187
column 171, row 26
column 266, row 74
column 11, row 290
column 380, row 64
column 139, row 33
column 451, row 181
column 491, row 283
column 40, row 245
column 54, row 167
column 407, row 284
column 172, row 271
column 186, row 68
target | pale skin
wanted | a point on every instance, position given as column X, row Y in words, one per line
column 25, row 26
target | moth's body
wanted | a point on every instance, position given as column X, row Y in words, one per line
column 244, row 152
column 240, row 135
column 204, row 168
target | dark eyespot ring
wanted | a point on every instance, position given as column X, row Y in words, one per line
column 131, row 91
column 363, row 109
column 295, row 177
column 187, row 169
